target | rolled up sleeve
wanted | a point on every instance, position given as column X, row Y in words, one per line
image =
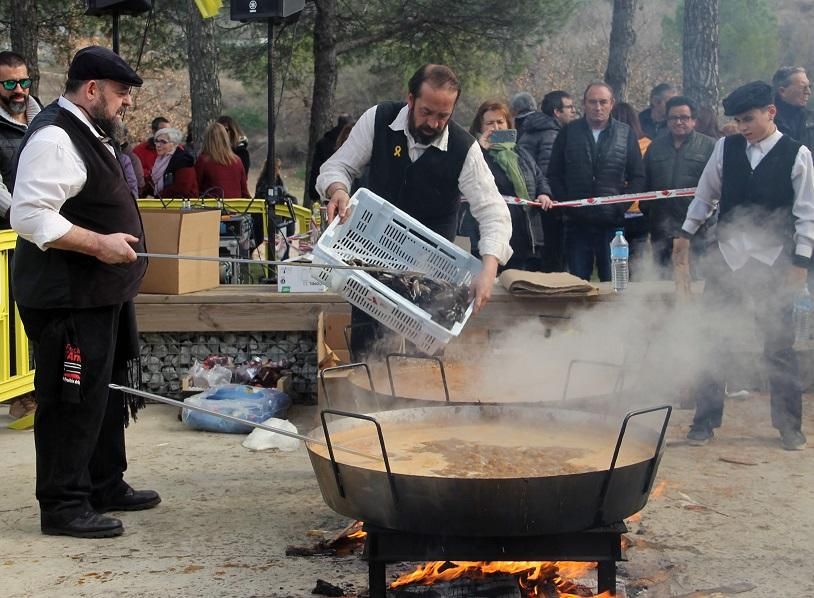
column 802, row 180
column 48, row 173
column 477, row 185
column 707, row 192
column 347, row 163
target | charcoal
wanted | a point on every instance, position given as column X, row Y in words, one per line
column 323, row 588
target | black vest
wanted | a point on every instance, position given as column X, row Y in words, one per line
column 426, row 189
column 759, row 201
column 596, row 169
column 66, row 279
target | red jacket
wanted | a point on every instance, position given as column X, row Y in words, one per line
column 147, row 154
column 231, row 178
column 179, row 178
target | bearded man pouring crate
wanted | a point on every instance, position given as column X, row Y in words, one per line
column 422, row 162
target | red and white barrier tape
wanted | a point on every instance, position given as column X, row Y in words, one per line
column 610, row 199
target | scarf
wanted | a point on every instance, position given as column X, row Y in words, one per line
column 157, row 174
column 506, row 157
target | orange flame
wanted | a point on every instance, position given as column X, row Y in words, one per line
column 530, row 573
column 357, row 535
column 658, row 491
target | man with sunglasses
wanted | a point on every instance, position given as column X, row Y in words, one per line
column 17, row 109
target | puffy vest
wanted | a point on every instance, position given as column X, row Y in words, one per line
column 426, row 189
column 596, row 169
column 66, row 279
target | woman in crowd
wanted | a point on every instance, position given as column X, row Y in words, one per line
column 238, row 141
column 218, row 168
column 517, row 175
column 173, row 173
column 636, row 225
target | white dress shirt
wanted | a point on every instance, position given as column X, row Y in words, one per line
column 5, row 199
column 741, row 246
column 475, row 181
column 50, row 171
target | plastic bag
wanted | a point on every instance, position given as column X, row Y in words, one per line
column 246, row 402
column 261, row 440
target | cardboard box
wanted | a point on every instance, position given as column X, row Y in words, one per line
column 181, row 232
column 295, row 279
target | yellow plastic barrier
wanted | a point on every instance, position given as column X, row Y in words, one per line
column 258, row 206
column 16, row 373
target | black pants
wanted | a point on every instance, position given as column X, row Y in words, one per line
column 78, row 428
column 755, row 291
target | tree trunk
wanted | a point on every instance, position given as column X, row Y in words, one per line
column 24, row 37
column 204, row 87
column 622, row 39
column 324, row 83
column 701, row 81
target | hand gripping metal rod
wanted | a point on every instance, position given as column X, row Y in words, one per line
column 237, row 260
column 160, row 399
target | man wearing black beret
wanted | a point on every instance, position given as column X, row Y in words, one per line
column 74, row 276
column 763, row 182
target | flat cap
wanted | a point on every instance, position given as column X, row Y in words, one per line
column 96, row 62
column 756, row 94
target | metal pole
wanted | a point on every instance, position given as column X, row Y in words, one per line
column 182, row 405
column 271, row 167
column 116, row 32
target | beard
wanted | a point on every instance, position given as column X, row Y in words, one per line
column 424, row 134
column 113, row 126
column 15, row 104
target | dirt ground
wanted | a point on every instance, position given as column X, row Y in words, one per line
column 735, row 517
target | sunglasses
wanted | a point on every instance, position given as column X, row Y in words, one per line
column 11, row 84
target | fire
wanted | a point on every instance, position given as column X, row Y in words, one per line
column 531, row 574
column 357, row 535
column 658, row 491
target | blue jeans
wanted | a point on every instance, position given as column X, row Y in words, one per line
column 586, row 243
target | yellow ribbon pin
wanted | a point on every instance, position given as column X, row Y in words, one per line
column 397, row 151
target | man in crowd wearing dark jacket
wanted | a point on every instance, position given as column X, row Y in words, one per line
column 792, row 91
column 653, row 119
column 594, row 156
column 674, row 161
column 17, row 109
column 522, row 105
column 539, row 132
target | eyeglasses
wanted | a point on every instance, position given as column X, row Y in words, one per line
column 161, row 142
column 681, row 118
column 569, row 107
column 11, row 84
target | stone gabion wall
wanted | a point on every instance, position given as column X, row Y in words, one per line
column 166, row 357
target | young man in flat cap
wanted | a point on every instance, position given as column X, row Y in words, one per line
column 75, row 274
column 764, row 183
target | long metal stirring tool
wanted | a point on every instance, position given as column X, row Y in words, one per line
column 237, row 260
column 161, row 399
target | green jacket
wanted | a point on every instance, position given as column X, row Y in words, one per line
column 669, row 168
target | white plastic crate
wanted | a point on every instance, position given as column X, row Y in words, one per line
column 380, row 234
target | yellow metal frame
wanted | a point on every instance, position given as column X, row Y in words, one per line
column 23, row 381
column 258, row 206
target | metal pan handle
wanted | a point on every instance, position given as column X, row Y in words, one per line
column 411, row 356
column 617, row 386
column 652, row 470
column 338, row 368
column 335, row 465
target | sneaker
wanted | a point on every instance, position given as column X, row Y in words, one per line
column 793, row 440
column 698, row 436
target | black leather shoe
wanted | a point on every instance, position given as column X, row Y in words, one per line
column 87, row 525
column 131, row 500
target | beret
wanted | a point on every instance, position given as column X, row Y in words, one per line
column 756, row 94
column 96, row 62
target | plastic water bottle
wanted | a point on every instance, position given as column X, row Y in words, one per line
column 803, row 306
column 619, row 252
